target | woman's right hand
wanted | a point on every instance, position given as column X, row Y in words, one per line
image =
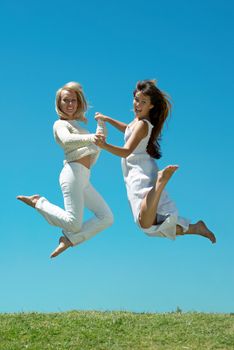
column 100, row 116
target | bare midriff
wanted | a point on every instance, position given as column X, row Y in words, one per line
column 85, row 161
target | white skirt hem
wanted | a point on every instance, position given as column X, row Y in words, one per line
column 167, row 228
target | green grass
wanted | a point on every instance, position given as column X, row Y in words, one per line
column 93, row 330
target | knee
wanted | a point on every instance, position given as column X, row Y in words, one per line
column 74, row 225
column 143, row 225
column 108, row 220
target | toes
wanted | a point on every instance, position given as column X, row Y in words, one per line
column 206, row 232
column 29, row 200
column 56, row 252
column 166, row 173
column 213, row 239
column 64, row 244
column 172, row 168
column 25, row 199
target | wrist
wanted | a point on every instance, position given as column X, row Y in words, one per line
column 106, row 118
column 92, row 138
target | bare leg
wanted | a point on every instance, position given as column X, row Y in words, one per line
column 199, row 228
column 29, row 200
column 150, row 202
column 64, row 243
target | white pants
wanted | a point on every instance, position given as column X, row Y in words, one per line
column 78, row 193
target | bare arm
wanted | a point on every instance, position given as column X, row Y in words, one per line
column 139, row 132
column 114, row 122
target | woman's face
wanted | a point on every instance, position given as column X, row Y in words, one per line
column 68, row 103
column 142, row 105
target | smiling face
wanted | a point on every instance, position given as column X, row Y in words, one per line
column 68, row 103
column 142, row 105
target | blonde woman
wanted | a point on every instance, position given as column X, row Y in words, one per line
column 80, row 154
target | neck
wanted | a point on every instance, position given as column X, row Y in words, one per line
column 143, row 117
column 68, row 118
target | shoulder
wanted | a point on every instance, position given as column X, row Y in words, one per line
column 60, row 123
column 141, row 128
column 142, row 125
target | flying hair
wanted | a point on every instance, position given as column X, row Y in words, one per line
column 158, row 114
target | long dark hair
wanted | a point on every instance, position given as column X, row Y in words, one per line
column 158, row 114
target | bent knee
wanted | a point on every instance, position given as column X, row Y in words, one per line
column 108, row 220
column 74, row 226
column 143, row 224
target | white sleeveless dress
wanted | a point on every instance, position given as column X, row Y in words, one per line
column 140, row 173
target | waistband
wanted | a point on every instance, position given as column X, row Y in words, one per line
column 75, row 165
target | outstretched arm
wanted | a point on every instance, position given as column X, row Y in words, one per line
column 139, row 132
column 64, row 136
column 114, row 122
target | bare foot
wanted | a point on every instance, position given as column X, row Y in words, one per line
column 200, row 229
column 64, row 243
column 203, row 230
column 165, row 174
column 29, row 200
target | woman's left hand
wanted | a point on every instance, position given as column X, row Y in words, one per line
column 99, row 140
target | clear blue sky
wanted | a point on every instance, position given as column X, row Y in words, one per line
column 108, row 46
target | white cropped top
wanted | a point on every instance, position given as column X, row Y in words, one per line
column 76, row 141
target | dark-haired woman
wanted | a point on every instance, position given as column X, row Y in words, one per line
column 152, row 209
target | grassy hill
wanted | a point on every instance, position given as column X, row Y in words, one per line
column 93, row 330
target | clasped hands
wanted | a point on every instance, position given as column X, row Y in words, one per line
column 99, row 139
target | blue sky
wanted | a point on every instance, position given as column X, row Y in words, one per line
column 108, row 47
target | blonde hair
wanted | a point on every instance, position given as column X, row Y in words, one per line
column 82, row 104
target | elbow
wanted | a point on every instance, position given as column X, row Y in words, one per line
column 126, row 153
column 66, row 144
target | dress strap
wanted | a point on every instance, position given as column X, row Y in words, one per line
column 148, row 122
column 150, row 126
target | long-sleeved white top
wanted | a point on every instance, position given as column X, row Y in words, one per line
column 76, row 141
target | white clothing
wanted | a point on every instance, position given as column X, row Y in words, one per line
column 140, row 173
column 76, row 141
column 78, row 193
